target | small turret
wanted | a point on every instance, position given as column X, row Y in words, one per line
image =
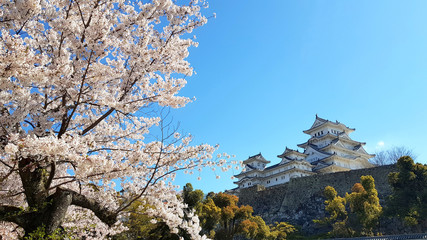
column 255, row 162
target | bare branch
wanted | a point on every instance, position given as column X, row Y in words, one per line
column 97, row 121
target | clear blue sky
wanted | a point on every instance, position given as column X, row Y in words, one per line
column 264, row 69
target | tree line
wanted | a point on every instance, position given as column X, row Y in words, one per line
column 220, row 216
column 357, row 213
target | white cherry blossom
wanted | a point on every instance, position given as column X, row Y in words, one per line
column 80, row 80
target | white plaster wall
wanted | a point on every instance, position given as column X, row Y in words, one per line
column 279, row 180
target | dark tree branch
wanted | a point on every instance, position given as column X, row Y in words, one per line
column 152, row 177
column 13, row 214
column 51, row 175
column 107, row 216
column 97, row 121
column 23, row 25
column 12, row 169
column 67, row 122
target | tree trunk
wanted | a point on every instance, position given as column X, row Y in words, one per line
column 51, row 215
column 47, row 212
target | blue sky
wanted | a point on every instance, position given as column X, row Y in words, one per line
column 264, row 69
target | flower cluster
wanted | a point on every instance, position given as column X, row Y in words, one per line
column 80, row 85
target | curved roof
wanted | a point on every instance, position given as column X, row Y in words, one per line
column 289, row 151
column 318, row 149
column 258, row 157
column 342, row 136
column 356, row 150
column 319, row 122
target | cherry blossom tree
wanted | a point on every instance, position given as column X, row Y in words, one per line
column 79, row 80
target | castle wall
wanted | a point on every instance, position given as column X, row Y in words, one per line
column 301, row 200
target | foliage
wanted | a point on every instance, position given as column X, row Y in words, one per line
column 221, row 218
column 142, row 226
column 40, row 234
column 209, row 215
column 363, row 203
column 191, row 197
column 391, row 155
column 282, row 230
column 334, row 205
column 409, row 198
column 82, row 85
column 139, row 225
column 232, row 217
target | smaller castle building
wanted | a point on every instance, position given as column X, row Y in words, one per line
column 329, row 149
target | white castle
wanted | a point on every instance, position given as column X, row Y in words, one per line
column 329, row 149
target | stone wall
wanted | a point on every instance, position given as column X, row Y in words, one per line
column 301, row 200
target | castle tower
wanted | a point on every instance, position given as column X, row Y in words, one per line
column 252, row 172
column 330, row 148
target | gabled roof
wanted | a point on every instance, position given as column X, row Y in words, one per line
column 249, row 166
column 341, row 136
column 287, row 160
column 272, row 166
column 320, row 165
column 290, row 162
column 256, row 158
column 319, row 122
column 250, row 171
column 344, row 136
column 359, row 148
column 317, row 149
column 243, row 179
column 357, row 151
column 289, row 151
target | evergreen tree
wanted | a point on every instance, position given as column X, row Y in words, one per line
column 363, row 203
column 409, row 198
column 222, row 219
column 335, row 206
column 282, row 230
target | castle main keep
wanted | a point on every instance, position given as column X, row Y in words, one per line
column 329, row 149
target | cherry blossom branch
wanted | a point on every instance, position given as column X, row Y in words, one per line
column 107, row 216
column 65, row 123
column 9, row 166
column 153, row 173
column 94, row 124
column 23, row 25
column 12, row 169
column 51, row 175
